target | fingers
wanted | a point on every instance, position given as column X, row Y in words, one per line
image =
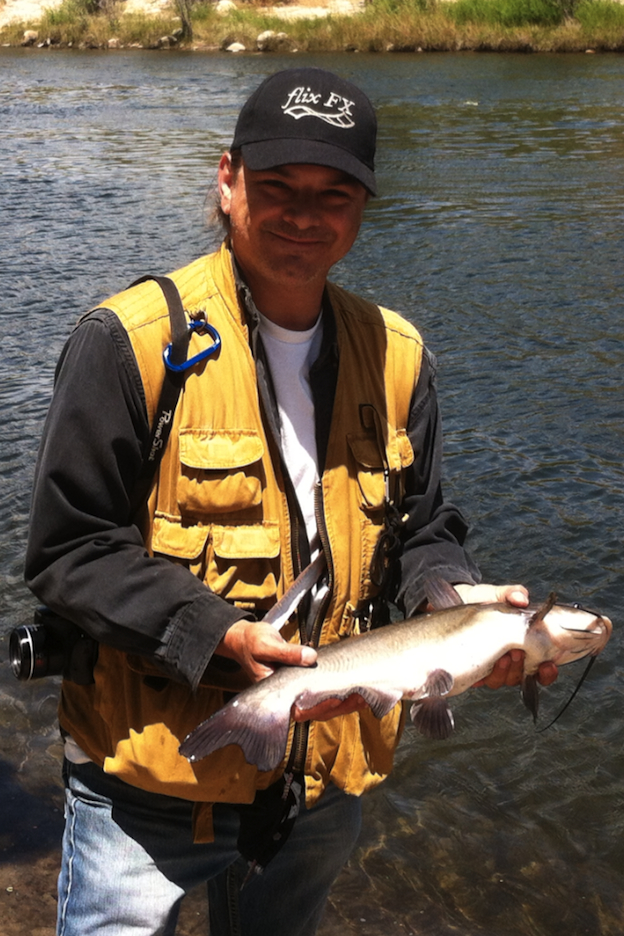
column 547, row 673
column 507, row 671
column 488, row 594
column 330, row 708
column 259, row 648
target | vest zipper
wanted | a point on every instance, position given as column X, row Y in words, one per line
column 319, row 513
column 312, row 633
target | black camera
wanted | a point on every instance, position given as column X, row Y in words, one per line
column 52, row 646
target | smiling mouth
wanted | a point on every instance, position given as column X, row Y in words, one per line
column 302, row 240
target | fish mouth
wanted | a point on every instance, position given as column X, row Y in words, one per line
column 597, row 632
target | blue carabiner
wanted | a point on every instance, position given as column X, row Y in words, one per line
column 199, row 325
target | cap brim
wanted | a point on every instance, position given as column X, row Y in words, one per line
column 265, row 154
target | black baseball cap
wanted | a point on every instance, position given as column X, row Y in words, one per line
column 309, row 115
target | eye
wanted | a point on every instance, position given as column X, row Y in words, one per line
column 336, row 198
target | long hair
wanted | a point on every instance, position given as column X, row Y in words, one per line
column 219, row 216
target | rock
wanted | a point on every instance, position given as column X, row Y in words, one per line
column 270, row 41
column 236, row 47
column 114, row 43
column 30, row 37
column 264, row 39
column 223, row 7
column 166, row 42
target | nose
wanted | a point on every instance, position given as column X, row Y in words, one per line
column 302, row 211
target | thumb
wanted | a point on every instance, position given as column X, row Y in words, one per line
column 297, row 655
column 513, row 594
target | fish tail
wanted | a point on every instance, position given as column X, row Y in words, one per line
column 262, row 737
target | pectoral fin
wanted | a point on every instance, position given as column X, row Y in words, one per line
column 530, row 694
column 543, row 610
column 441, row 594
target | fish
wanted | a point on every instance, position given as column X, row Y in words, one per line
column 425, row 660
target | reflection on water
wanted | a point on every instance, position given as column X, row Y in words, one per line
column 499, row 232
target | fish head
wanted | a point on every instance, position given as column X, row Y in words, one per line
column 574, row 632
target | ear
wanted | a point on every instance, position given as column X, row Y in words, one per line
column 226, row 181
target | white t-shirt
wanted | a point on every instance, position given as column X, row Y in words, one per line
column 290, row 355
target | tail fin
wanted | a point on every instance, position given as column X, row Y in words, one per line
column 262, row 739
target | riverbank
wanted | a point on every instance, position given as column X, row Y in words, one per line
column 317, row 25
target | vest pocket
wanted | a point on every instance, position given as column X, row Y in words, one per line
column 171, row 538
column 243, row 563
column 369, row 468
column 370, row 463
column 220, row 471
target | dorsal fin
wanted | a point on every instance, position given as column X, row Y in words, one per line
column 543, row 610
column 441, row 594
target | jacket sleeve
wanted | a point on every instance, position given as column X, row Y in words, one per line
column 85, row 557
column 435, row 529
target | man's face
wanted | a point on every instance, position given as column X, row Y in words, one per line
column 289, row 224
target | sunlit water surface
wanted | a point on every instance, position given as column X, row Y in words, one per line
column 499, row 230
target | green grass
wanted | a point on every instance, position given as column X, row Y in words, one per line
column 506, row 13
column 600, row 15
column 384, row 25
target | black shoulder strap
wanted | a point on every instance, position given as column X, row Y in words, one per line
column 170, row 391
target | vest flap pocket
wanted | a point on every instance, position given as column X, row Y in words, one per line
column 246, row 541
column 221, row 471
column 370, row 474
column 243, row 563
column 219, row 449
column 365, row 449
column 172, row 539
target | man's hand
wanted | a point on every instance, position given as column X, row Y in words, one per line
column 330, row 708
column 259, row 649
column 489, row 594
column 508, row 670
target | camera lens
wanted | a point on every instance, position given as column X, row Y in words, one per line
column 28, row 653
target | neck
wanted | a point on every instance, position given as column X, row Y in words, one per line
column 295, row 311
column 294, row 306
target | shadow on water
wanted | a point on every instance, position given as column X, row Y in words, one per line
column 31, row 821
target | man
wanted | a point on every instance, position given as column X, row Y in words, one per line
column 313, row 430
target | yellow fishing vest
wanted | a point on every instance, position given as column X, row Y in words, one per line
column 219, row 507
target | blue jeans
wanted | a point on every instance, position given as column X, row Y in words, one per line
column 129, row 859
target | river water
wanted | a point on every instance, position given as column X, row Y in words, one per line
column 499, row 230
